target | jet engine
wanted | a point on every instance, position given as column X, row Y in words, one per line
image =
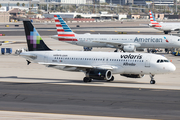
column 133, row 75
column 99, row 74
column 129, row 48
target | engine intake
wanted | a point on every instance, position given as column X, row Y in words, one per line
column 99, row 74
column 129, row 48
column 133, row 75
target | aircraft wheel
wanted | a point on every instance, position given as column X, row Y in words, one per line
column 112, row 79
column 165, row 32
column 115, row 50
column 152, row 81
column 87, row 79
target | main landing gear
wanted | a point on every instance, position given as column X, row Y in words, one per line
column 87, row 48
column 152, row 79
column 87, row 79
column 166, row 32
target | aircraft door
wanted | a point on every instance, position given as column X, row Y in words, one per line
column 147, row 61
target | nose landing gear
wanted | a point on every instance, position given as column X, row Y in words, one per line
column 152, row 79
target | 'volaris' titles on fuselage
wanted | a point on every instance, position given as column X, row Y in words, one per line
column 130, row 56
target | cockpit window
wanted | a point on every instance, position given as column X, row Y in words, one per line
column 161, row 61
column 166, row 60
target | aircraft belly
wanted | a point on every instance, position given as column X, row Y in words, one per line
column 92, row 44
column 133, row 69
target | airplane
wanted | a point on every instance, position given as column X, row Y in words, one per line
column 95, row 65
column 166, row 27
column 126, row 43
column 5, row 42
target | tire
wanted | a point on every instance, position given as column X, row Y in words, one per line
column 152, row 82
column 87, row 79
column 165, row 32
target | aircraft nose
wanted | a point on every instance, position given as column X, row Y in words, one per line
column 172, row 68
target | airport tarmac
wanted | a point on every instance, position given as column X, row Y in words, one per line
column 115, row 27
column 37, row 89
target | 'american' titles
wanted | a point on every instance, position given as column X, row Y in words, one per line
column 148, row 39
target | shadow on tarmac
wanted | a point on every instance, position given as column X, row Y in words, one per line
column 69, row 81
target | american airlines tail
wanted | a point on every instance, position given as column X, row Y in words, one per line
column 153, row 21
column 63, row 30
column 34, row 40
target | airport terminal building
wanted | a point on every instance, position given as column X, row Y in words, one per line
column 156, row 2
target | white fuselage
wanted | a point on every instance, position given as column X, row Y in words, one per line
column 168, row 26
column 118, row 63
column 116, row 41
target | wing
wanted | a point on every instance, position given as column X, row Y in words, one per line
column 118, row 44
column 175, row 29
column 80, row 67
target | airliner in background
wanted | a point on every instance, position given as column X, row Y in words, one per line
column 5, row 42
column 95, row 65
column 166, row 27
column 127, row 43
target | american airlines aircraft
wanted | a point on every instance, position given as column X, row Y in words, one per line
column 166, row 27
column 127, row 43
column 95, row 65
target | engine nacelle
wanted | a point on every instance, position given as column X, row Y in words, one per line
column 99, row 74
column 129, row 48
column 133, row 75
